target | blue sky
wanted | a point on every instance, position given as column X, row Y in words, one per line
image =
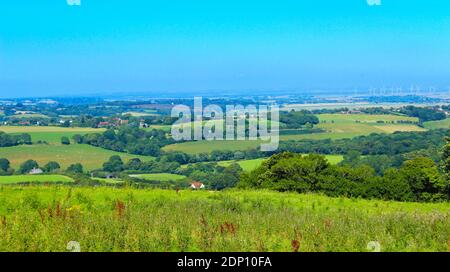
column 48, row 47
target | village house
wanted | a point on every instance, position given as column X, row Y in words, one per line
column 36, row 171
column 197, row 185
column 103, row 125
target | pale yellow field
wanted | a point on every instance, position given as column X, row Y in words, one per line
column 398, row 128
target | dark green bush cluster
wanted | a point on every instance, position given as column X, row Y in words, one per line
column 416, row 180
column 129, row 139
column 13, row 140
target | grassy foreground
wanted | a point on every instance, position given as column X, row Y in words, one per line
column 46, row 218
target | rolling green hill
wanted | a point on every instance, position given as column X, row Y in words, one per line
column 437, row 124
column 89, row 156
column 48, row 134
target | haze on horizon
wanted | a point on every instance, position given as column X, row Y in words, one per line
column 51, row 48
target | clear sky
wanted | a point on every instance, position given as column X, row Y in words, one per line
column 48, row 47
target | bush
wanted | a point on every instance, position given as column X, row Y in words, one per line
column 75, row 168
column 65, row 141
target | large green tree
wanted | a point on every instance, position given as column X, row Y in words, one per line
column 114, row 164
column 5, row 168
column 422, row 175
column 51, row 167
column 75, row 168
column 4, row 164
column 27, row 166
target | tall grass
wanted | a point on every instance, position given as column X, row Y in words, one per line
column 46, row 218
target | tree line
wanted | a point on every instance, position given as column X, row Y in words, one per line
column 419, row 179
column 27, row 166
column 14, row 139
column 128, row 139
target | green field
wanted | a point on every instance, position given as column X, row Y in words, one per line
column 109, row 181
column 246, row 165
column 166, row 128
column 249, row 165
column 48, row 134
column 160, row 177
column 365, row 118
column 111, row 219
column 34, row 179
column 437, row 124
column 89, row 156
column 208, row 146
column 140, row 114
column 30, row 115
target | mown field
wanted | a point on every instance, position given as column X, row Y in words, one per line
column 246, row 165
column 109, row 181
column 336, row 126
column 249, row 165
column 160, row 177
column 141, row 114
column 366, row 118
column 49, row 134
column 46, row 218
column 89, row 156
column 437, row 124
column 35, row 179
column 30, row 115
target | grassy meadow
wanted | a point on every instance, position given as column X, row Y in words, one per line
column 246, row 165
column 160, row 177
column 364, row 118
column 34, row 179
column 30, row 115
column 249, row 165
column 106, row 181
column 51, row 135
column 46, row 218
column 437, row 124
column 90, row 157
